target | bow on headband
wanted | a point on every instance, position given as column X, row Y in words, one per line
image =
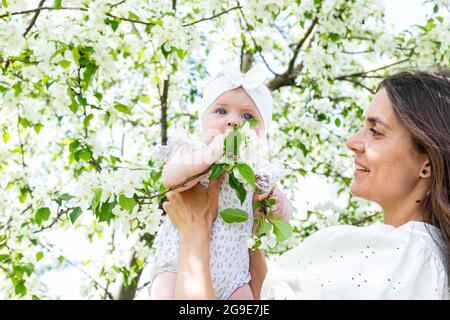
column 252, row 82
column 252, row 79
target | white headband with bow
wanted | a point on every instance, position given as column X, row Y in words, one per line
column 252, row 82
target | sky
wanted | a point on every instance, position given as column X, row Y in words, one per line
column 65, row 283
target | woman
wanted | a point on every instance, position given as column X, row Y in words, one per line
column 402, row 160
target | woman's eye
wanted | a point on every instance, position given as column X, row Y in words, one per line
column 247, row 116
column 221, row 111
column 374, row 132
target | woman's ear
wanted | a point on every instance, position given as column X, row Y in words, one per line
column 426, row 170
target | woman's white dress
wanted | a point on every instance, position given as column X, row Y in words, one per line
column 374, row 262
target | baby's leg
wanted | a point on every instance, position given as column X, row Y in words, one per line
column 242, row 293
column 163, row 286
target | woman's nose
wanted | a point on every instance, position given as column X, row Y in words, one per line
column 356, row 142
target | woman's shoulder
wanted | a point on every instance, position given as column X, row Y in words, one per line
column 414, row 238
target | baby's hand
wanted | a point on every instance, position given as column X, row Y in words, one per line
column 282, row 207
column 214, row 151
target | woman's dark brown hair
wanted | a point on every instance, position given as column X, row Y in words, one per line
column 421, row 103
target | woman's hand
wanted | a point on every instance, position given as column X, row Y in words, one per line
column 282, row 207
column 193, row 208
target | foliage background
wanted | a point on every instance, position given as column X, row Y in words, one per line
column 90, row 89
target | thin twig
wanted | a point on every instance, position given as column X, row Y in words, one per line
column 363, row 73
column 33, row 21
column 300, row 44
column 212, row 17
column 118, row 4
column 253, row 39
column 359, row 222
column 40, row 9
column 55, row 220
column 22, row 152
column 360, row 84
column 180, row 185
column 50, row 249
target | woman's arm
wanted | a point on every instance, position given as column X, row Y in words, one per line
column 193, row 213
column 258, row 271
column 194, row 276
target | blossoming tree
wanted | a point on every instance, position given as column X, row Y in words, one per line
column 90, row 89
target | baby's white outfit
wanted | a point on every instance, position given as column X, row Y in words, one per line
column 374, row 262
column 229, row 257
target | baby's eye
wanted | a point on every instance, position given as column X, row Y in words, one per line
column 247, row 116
column 221, row 111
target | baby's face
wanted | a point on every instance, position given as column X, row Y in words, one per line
column 230, row 109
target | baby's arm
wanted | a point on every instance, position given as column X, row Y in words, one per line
column 282, row 208
column 185, row 163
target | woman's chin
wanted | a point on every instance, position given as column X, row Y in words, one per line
column 357, row 191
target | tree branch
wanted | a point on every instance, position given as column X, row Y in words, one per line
column 40, row 9
column 212, row 17
column 363, row 73
column 33, row 21
column 180, row 185
column 50, row 249
column 257, row 47
column 360, row 84
column 300, row 44
column 55, row 220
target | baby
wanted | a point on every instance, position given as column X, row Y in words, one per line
column 228, row 101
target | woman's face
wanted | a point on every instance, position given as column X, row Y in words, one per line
column 387, row 166
column 229, row 109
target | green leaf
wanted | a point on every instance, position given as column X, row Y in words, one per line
column 20, row 289
column 123, row 108
column 84, row 154
column 106, row 211
column 337, row 122
column 5, row 3
column 91, row 68
column 42, row 215
column 264, row 228
column 75, row 214
column 73, row 106
column 65, row 64
column 76, row 54
column 126, row 203
column 113, row 23
column 73, row 146
column 257, row 205
column 24, row 122
column 39, row 256
column 4, row 258
column 6, row 136
column 96, row 198
column 57, row 4
column 282, row 229
column 87, row 120
column 37, row 127
column 234, row 215
column 435, row 8
column 63, row 197
column 238, row 186
column 216, row 170
column 253, row 122
column 246, row 172
column 164, row 51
